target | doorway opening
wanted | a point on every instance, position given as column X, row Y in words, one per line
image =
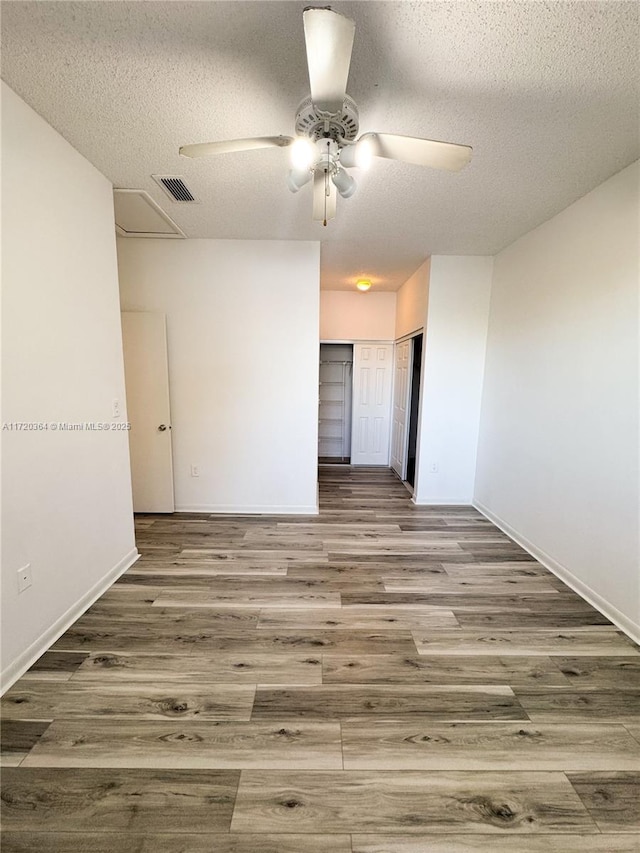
column 335, row 398
column 414, row 405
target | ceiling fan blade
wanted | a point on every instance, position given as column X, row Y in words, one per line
column 207, row 149
column 329, row 40
column 325, row 197
column 421, row 152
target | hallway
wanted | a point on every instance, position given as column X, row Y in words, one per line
column 380, row 678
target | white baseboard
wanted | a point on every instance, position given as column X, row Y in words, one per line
column 441, row 501
column 243, row 509
column 630, row 628
column 22, row 663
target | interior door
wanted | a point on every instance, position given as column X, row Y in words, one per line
column 401, row 408
column 371, row 425
column 146, row 368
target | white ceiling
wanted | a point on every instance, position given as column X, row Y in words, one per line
column 547, row 93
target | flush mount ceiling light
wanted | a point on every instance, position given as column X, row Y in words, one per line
column 363, row 284
column 327, row 124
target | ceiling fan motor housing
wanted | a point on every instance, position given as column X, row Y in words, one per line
column 315, row 124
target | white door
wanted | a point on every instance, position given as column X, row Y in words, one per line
column 371, row 426
column 400, row 429
column 146, row 370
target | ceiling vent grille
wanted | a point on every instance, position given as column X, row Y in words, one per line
column 175, row 188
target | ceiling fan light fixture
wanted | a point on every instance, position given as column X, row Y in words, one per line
column 303, row 154
column 348, row 156
column 344, row 183
column 297, row 178
column 364, row 154
column 359, row 154
column 363, row 284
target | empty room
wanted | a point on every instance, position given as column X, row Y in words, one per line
column 320, row 426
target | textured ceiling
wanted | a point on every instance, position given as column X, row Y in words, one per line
column 547, row 94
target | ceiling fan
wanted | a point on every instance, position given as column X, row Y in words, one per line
column 326, row 125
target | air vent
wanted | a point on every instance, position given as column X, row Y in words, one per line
column 175, row 187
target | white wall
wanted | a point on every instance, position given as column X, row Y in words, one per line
column 411, row 302
column 558, row 454
column 242, row 329
column 346, row 316
column 66, row 495
column 453, row 367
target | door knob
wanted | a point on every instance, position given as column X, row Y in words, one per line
column 163, row 427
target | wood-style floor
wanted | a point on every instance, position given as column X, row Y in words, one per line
column 381, row 678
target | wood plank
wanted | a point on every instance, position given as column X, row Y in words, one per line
column 125, row 842
column 144, row 640
column 362, row 573
column 560, row 603
column 339, row 549
column 409, row 802
column 231, row 668
column 18, row 738
column 498, row 570
column 617, row 673
column 143, row 701
column 322, row 528
column 127, row 595
column 447, row 669
column 481, row 844
column 185, row 568
column 544, row 641
column 166, row 621
column 175, row 630
column 369, row 619
column 568, row 619
column 187, row 744
column 79, row 800
column 553, row 704
column 331, row 640
column 452, row 601
column 197, row 598
column 223, row 583
column 612, row 799
column 423, row 745
column 212, row 642
column 348, row 701
column 474, row 584
column 56, row 666
column 257, row 555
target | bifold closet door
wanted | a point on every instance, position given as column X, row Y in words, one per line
column 372, row 381
column 400, row 429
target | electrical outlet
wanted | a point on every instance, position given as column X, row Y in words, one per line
column 116, row 411
column 195, row 470
column 433, row 468
column 24, row 578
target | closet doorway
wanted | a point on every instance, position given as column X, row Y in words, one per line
column 414, row 405
column 406, row 406
column 336, row 403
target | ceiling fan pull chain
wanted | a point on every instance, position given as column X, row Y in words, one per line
column 326, row 194
column 327, row 187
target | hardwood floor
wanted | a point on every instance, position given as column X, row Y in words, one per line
column 381, row 678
